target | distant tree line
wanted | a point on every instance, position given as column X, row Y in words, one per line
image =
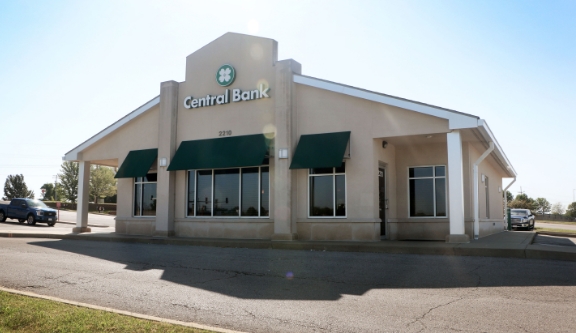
column 540, row 205
column 102, row 185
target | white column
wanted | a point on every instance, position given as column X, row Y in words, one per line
column 283, row 203
column 166, row 149
column 83, row 197
column 456, row 189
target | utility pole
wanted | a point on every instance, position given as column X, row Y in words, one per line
column 521, row 192
column 573, row 199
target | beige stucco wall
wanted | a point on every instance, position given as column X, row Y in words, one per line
column 253, row 59
column 321, row 111
column 139, row 133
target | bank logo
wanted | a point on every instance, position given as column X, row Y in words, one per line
column 225, row 75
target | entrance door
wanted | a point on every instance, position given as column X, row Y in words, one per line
column 382, row 199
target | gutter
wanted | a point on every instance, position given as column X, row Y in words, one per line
column 476, row 212
column 506, row 201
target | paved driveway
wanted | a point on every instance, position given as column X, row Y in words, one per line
column 299, row 291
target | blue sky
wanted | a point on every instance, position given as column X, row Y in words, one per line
column 70, row 68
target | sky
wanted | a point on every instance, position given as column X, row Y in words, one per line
column 68, row 69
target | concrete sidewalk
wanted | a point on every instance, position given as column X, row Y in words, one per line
column 505, row 244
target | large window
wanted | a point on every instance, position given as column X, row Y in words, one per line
column 145, row 195
column 327, row 192
column 238, row 192
column 427, row 191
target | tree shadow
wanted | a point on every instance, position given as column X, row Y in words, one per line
column 315, row 275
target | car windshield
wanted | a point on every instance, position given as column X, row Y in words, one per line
column 36, row 204
column 519, row 212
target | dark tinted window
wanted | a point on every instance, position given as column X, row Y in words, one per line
column 321, row 196
column 204, row 193
column 250, row 191
column 421, row 172
column 421, row 197
column 226, row 186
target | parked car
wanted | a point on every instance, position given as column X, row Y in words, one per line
column 522, row 218
column 29, row 210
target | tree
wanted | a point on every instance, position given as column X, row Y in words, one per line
column 557, row 209
column 15, row 187
column 68, row 175
column 571, row 210
column 49, row 191
column 542, row 205
column 523, row 201
column 509, row 196
column 102, row 182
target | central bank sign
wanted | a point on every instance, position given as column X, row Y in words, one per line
column 224, row 77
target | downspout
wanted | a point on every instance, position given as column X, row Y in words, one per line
column 476, row 206
column 505, row 199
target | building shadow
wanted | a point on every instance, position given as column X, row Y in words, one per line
column 315, row 275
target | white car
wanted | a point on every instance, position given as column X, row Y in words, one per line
column 522, row 218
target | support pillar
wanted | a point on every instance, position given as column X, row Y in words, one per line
column 284, row 115
column 83, row 198
column 165, row 187
column 456, row 189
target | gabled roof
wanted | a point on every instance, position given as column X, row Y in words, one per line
column 456, row 119
column 72, row 155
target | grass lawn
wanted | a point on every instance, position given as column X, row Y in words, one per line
column 556, row 222
column 29, row 314
column 555, row 230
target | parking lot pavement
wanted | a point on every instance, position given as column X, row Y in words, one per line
column 94, row 220
column 554, row 240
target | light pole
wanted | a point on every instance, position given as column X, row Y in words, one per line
column 573, row 199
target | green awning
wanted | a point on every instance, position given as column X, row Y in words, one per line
column 228, row 152
column 320, row 150
column 137, row 163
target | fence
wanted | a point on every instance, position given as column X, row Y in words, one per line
column 554, row 217
column 109, row 207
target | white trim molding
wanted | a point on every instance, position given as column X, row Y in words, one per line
column 75, row 154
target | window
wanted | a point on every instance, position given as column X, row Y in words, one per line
column 427, row 187
column 327, row 192
column 145, row 195
column 238, row 192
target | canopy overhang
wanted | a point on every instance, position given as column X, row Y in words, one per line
column 320, row 150
column 229, row 152
column 137, row 163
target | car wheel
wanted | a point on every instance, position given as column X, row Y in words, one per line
column 21, row 220
column 2, row 216
column 31, row 220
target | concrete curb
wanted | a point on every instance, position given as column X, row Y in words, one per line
column 121, row 312
column 90, row 225
column 524, row 249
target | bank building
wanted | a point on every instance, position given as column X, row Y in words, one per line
column 249, row 147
